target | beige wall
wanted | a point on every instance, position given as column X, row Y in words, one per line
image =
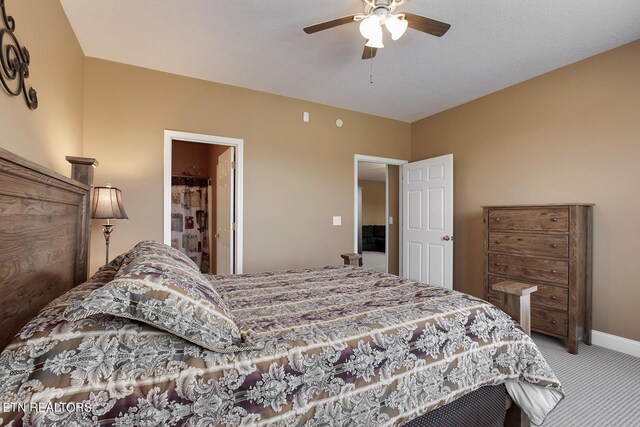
column 185, row 156
column 297, row 175
column 572, row 135
column 374, row 195
column 54, row 130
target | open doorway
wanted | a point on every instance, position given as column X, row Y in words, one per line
column 203, row 200
column 372, row 213
column 377, row 212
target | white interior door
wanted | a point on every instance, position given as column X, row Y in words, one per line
column 224, row 212
column 211, row 223
column 427, row 227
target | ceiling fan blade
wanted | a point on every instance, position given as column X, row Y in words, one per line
column 426, row 25
column 329, row 24
column 369, row 52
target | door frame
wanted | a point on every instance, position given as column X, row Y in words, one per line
column 388, row 161
column 169, row 137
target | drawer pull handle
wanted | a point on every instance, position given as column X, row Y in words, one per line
column 553, row 297
column 497, row 264
column 497, row 219
column 553, row 322
column 497, row 242
column 554, row 219
column 554, row 245
column 554, row 271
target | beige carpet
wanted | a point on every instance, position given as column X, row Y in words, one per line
column 602, row 386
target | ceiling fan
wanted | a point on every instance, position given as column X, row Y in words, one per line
column 379, row 13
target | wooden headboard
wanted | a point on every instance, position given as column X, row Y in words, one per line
column 43, row 239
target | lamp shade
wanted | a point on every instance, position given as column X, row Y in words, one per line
column 376, row 40
column 396, row 26
column 370, row 27
column 107, row 203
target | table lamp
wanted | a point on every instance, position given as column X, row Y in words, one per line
column 107, row 204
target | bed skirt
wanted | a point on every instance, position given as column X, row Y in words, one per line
column 485, row 407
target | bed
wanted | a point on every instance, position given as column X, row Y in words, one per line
column 331, row 346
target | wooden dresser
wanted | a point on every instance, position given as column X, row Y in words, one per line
column 549, row 246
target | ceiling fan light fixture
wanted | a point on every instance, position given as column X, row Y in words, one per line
column 370, row 27
column 396, row 26
column 375, row 42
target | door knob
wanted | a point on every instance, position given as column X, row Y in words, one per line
column 447, row 238
column 217, row 235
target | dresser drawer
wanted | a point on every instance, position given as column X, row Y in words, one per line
column 550, row 321
column 495, row 299
column 530, row 219
column 548, row 270
column 551, row 297
column 529, row 244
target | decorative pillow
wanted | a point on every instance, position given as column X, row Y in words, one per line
column 151, row 247
column 167, row 293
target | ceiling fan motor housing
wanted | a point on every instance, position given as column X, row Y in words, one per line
column 380, row 8
column 384, row 3
column 381, row 12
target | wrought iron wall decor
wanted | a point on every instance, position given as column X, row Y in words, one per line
column 15, row 62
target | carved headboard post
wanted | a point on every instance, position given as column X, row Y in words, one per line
column 82, row 171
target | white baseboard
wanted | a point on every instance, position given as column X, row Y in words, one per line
column 614, row 342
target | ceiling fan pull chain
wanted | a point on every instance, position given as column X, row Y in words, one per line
column 371, row 71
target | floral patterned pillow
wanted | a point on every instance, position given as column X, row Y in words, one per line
column 165, row 292
column 151, row 247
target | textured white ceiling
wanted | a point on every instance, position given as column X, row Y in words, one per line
column 260, row 45
column 372, row 171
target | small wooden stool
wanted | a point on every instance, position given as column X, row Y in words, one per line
column 517, row 304
column 517, row 301
column 352, row 259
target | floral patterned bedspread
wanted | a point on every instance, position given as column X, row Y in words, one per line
column 341, row 346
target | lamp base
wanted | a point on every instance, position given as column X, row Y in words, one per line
column 107, row 229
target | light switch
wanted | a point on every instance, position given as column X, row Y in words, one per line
column 305, row 117
column 390, row 220
column 337, row 220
